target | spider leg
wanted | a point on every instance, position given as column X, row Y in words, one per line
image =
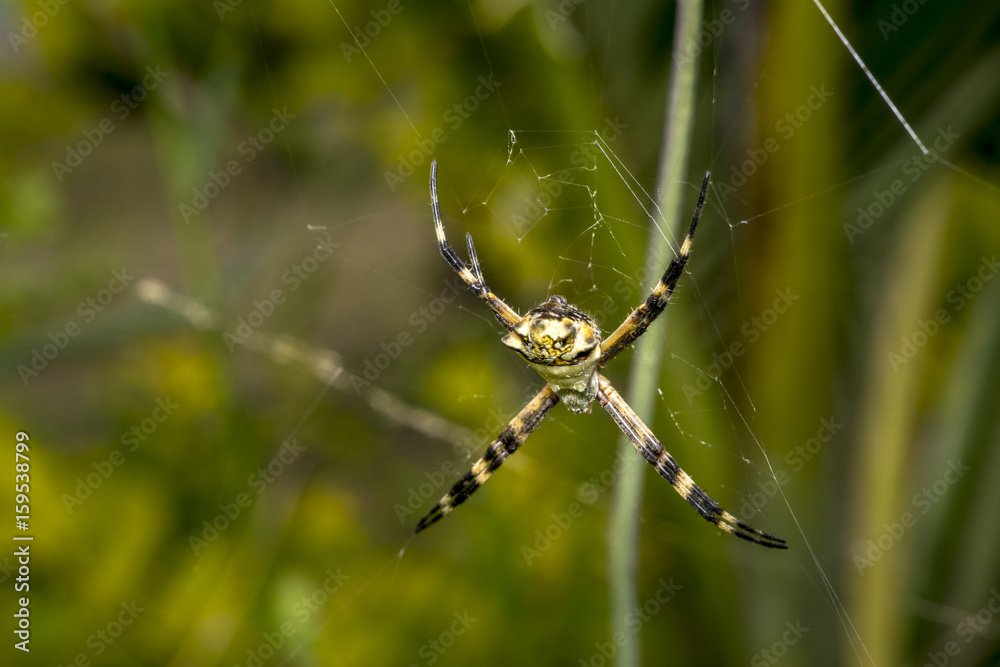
column 640, row 319
column 474, row 277
column 653, row 451
column 517, row 431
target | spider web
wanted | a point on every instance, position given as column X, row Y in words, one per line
column 565, row 212
column 574, row 198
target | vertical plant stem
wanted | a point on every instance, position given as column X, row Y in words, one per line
column 623, row 537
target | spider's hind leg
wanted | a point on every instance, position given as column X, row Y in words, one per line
column 517, row 431
column 660, row 458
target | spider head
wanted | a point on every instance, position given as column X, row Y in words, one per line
column 564, row 346
column 555, row 334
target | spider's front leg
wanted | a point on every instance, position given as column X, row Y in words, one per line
column 519, row 428
column 473, row 277
column 640, row 319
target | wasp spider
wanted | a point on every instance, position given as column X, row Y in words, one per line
column 566, row 349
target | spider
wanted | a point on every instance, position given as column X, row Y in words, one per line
column 564, row 345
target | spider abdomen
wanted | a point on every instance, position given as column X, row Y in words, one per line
column 576, row 386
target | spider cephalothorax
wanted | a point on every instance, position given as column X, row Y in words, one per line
column 564, row 346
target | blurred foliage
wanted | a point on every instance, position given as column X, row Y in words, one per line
column 214, row 147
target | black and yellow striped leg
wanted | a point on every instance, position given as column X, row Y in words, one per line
column 472, row 277
column 653, row 451
column 640, row 319
column 506, row 444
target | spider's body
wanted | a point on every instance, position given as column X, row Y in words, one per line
column 566, row 348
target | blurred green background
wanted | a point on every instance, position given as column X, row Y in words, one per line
column 246, row 372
